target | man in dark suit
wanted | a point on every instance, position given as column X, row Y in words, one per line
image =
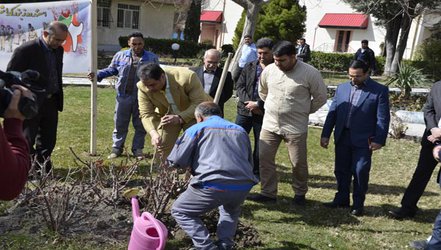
column 250, row 106
column 367, row 55
column 426, row 162
column 44, row 55
column 210, row 75
column 303, row 52
column 434, row 241
column 360, row 115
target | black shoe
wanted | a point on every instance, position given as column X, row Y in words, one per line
column 418, row 244
column 357, row 212
column 261, row 198
column 401, row 213
column 222, row 246
column 299, row 200
column 334, row 204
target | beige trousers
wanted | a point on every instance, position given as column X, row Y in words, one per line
column 170, row 134
column 268, row 146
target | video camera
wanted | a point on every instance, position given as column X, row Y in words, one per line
column 28, row 107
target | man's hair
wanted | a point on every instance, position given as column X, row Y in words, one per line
column 213, row 51
column 264, row 42
column 206, row 109
column 136, row 34
column 284, row 48
column 247, row 36
column 365, row 41
column 150, row 71
column 359, row 64
column 302, row 39
column 55, row 26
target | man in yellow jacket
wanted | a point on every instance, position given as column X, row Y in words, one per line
column 167, row 100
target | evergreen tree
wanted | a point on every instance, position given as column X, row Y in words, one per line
column 278, row 20
column 238, row 31
column 192, row 24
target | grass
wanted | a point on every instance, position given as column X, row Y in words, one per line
column 280, row 226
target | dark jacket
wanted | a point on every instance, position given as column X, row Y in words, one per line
column 227, row 91
column 368, row 56
column 245, row 87
column 30, row 55
column 304, row 53
column 369, row 119
column 432, row 112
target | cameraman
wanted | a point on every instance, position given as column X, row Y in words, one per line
column 14, row 150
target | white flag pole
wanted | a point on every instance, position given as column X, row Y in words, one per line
column 222, row 79
column 93, row 87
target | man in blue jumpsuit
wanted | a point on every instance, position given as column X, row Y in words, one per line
column 125, row 65
column 218, row 153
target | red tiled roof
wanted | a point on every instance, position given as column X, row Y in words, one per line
column 211, row 16
column 344, row 20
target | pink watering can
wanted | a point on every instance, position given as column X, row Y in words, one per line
column 148, row 233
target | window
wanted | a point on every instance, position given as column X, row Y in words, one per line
column 128, row 16
column 103, row 16
column 342, row 41
column 103, row 13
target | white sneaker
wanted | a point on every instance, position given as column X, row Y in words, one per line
column 113, row 156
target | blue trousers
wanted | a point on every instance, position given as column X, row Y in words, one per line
column 127, row 107
column 435, row 241
column 351, row 162
column 252, row 122
column 195, row 202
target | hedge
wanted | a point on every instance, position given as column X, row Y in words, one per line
column 338, row 62
column 163, row 46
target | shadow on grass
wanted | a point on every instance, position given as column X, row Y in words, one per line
column 287, row 245
column 313, row 213
column 422, row 216
column 329, row 182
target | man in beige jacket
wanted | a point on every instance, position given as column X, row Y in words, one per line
column 167, row 100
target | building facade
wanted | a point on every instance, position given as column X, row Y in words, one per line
column 331, row 26
column 156, row 18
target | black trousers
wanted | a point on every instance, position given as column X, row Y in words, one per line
column 421, row 176
column 252, row 122
column 41, row 130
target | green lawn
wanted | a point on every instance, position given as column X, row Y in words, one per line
column 280, row 226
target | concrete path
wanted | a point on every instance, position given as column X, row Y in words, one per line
column 413, row 120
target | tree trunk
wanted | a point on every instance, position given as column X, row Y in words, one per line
column 402, row 43
column 392, row 31
column 252, row 8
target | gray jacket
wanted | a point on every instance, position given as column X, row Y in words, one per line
column 217, row 151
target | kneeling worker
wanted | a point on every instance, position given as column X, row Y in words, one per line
column 219, row 155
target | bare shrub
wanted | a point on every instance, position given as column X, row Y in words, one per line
column 61, row 202
column 161, row 189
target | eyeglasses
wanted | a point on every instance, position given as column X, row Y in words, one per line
column 212, row 62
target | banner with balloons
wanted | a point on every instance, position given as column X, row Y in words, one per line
column 22, row 22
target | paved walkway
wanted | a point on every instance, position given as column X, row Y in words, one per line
column 413, row 120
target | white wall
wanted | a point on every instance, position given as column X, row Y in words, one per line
column 156, row 22
column 323, row 39
column 231, row 12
